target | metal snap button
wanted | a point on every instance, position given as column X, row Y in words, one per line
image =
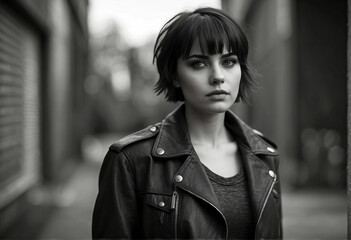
column 270, row 149
column 160, row 151
column 178, row 178
column 153, row 129
column 271, row 173
column 161, row 204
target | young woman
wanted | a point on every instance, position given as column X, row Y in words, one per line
column 201, row 172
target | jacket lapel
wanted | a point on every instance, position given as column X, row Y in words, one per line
column 259, row 180
column 195, row 180
column 175, row 141
column 253, row 148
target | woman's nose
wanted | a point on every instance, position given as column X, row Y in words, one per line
column 217, row 76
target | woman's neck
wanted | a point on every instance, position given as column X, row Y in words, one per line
column 206, row 129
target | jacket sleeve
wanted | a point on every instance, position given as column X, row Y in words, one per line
column 115, row 211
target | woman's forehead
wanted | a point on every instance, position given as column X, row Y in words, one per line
column 196, row 49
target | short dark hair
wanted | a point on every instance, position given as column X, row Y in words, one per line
column 215, row 29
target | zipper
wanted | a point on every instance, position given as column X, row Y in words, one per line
column 218, row 210
column 265, row 201
column 174, row 206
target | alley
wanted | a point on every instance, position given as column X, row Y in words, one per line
column 77, row 75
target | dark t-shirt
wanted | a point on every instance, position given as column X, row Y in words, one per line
column 234, row 200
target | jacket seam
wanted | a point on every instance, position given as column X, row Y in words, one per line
column 261, row 162
column 186, row 163
column 159, row 136
column 131, row 168
column 154, row 192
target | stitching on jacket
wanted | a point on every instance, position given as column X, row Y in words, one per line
column 131, row 168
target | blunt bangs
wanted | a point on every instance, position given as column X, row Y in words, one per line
column 215, row 31
column 214, row 34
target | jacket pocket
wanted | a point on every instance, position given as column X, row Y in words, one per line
column 159, row 201
column 157, row 216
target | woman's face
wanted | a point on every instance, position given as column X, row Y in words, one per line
column 210, row 83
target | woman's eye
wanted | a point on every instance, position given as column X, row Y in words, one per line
column 230, row 62
column 197, row 64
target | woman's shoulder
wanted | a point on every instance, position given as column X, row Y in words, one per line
column 136, row 138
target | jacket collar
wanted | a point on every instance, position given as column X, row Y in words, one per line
column 173, row 139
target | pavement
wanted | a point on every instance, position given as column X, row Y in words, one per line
column 73, row 220
column 315, row 214
column 306, row 214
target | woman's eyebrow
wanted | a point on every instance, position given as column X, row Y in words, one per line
column 207, row 57
column 197, row 56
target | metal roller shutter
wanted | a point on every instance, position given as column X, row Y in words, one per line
column 19, row 107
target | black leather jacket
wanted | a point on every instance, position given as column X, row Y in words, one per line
column 152, row 185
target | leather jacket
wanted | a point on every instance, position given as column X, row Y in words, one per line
column 152, row 185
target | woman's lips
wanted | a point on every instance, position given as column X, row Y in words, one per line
column 217, row 92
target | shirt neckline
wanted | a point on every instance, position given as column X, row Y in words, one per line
column 237, row 178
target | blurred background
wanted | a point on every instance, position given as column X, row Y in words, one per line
column 76, row 75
